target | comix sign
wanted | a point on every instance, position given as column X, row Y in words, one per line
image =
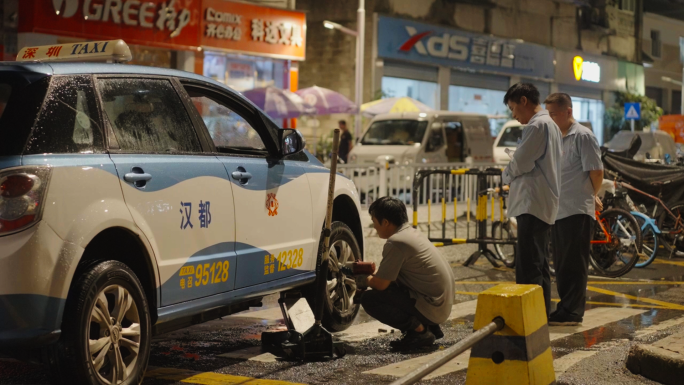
column 409, row 40
column 249, row 28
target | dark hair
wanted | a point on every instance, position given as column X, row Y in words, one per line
column 559, row 98
column 392, row 209
column 342, row 122
column 519, row 90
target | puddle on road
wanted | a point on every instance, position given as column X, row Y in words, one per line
column 623, row 329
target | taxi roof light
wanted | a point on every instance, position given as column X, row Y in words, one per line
column 106, row 51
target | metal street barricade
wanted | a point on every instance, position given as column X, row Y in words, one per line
column 477, row 185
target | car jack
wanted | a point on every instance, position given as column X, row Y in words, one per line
column 316, row 343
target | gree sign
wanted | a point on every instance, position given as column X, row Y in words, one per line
column 417, row 42
column 159, row 23
column 586, row 70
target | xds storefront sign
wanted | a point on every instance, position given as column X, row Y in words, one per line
column 409, row 40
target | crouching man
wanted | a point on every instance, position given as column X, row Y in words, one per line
column 413, row 288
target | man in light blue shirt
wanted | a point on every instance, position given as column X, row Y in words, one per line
column 581, row 178
column 534, row 175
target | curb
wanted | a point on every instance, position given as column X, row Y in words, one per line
column 656, row 363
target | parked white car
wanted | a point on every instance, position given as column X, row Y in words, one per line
column 508, row 138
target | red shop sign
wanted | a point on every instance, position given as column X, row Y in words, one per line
column 240, row 27
column 170, row 24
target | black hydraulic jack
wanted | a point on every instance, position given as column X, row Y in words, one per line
column 316, row 343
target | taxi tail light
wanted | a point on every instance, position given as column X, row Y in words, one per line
column 22, row 197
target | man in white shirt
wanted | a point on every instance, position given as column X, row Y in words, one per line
column 581, row 178
column 534, row 175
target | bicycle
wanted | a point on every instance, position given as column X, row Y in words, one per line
column 650, row 233
column 667, row 229
column 614, row 251
column 616, row 243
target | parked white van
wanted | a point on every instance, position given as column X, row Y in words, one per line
column 425, row 137
column 418, row 139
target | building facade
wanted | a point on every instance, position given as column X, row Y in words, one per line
column 463, row 55
column 662, row 62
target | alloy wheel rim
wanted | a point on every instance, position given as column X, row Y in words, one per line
column 340, row 288
column 114, row 334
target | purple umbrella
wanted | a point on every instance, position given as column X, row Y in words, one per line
column 279, row 104
column 327, row 101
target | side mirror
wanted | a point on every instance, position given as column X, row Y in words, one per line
column 291, row 141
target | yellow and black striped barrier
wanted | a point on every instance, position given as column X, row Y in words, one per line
column 474, row 178
column 520, row 353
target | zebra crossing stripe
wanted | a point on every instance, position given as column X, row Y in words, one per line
column 592, row 318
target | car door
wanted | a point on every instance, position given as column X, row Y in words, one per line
column 274, row 230
column 178, row 194
column 435, row 147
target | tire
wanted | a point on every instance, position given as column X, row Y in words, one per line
column 505, row 253
column 649, row 243
column 98, row 288
column 338, row 315
column 617, row 258
column 666, row 224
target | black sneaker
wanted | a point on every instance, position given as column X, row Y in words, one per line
column 559, row 318
column 437, row 331
column 413, row 339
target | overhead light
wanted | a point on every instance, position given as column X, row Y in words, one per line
column 648, row 65
column 328, row 25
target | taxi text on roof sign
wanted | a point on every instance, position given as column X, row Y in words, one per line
column 115, row 51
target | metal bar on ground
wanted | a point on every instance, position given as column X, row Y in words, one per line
column 465, row 344
column 455, row 215
column 429, row 216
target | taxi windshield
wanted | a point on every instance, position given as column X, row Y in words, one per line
column 395, row 132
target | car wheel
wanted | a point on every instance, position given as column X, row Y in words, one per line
column 339, row 309
column 105, row 330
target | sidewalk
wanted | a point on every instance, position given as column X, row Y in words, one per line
column 662, row 361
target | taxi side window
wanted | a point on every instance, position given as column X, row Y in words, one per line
column 68, row 122
column 226, row 127
column 147, row 115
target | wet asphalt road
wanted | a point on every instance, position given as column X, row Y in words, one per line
column 185, row 356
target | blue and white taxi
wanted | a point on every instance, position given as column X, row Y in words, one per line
column 138, row 200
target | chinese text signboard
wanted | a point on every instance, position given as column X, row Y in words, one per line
column 673, row 125
column 409, row 40
column 170, row 24
column 248, row 28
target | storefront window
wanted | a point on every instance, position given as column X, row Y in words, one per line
column 422, row 91
column 480, row 101
column 242, row 72
column 589, row 110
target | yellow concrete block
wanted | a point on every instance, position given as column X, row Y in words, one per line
column 520, row 353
